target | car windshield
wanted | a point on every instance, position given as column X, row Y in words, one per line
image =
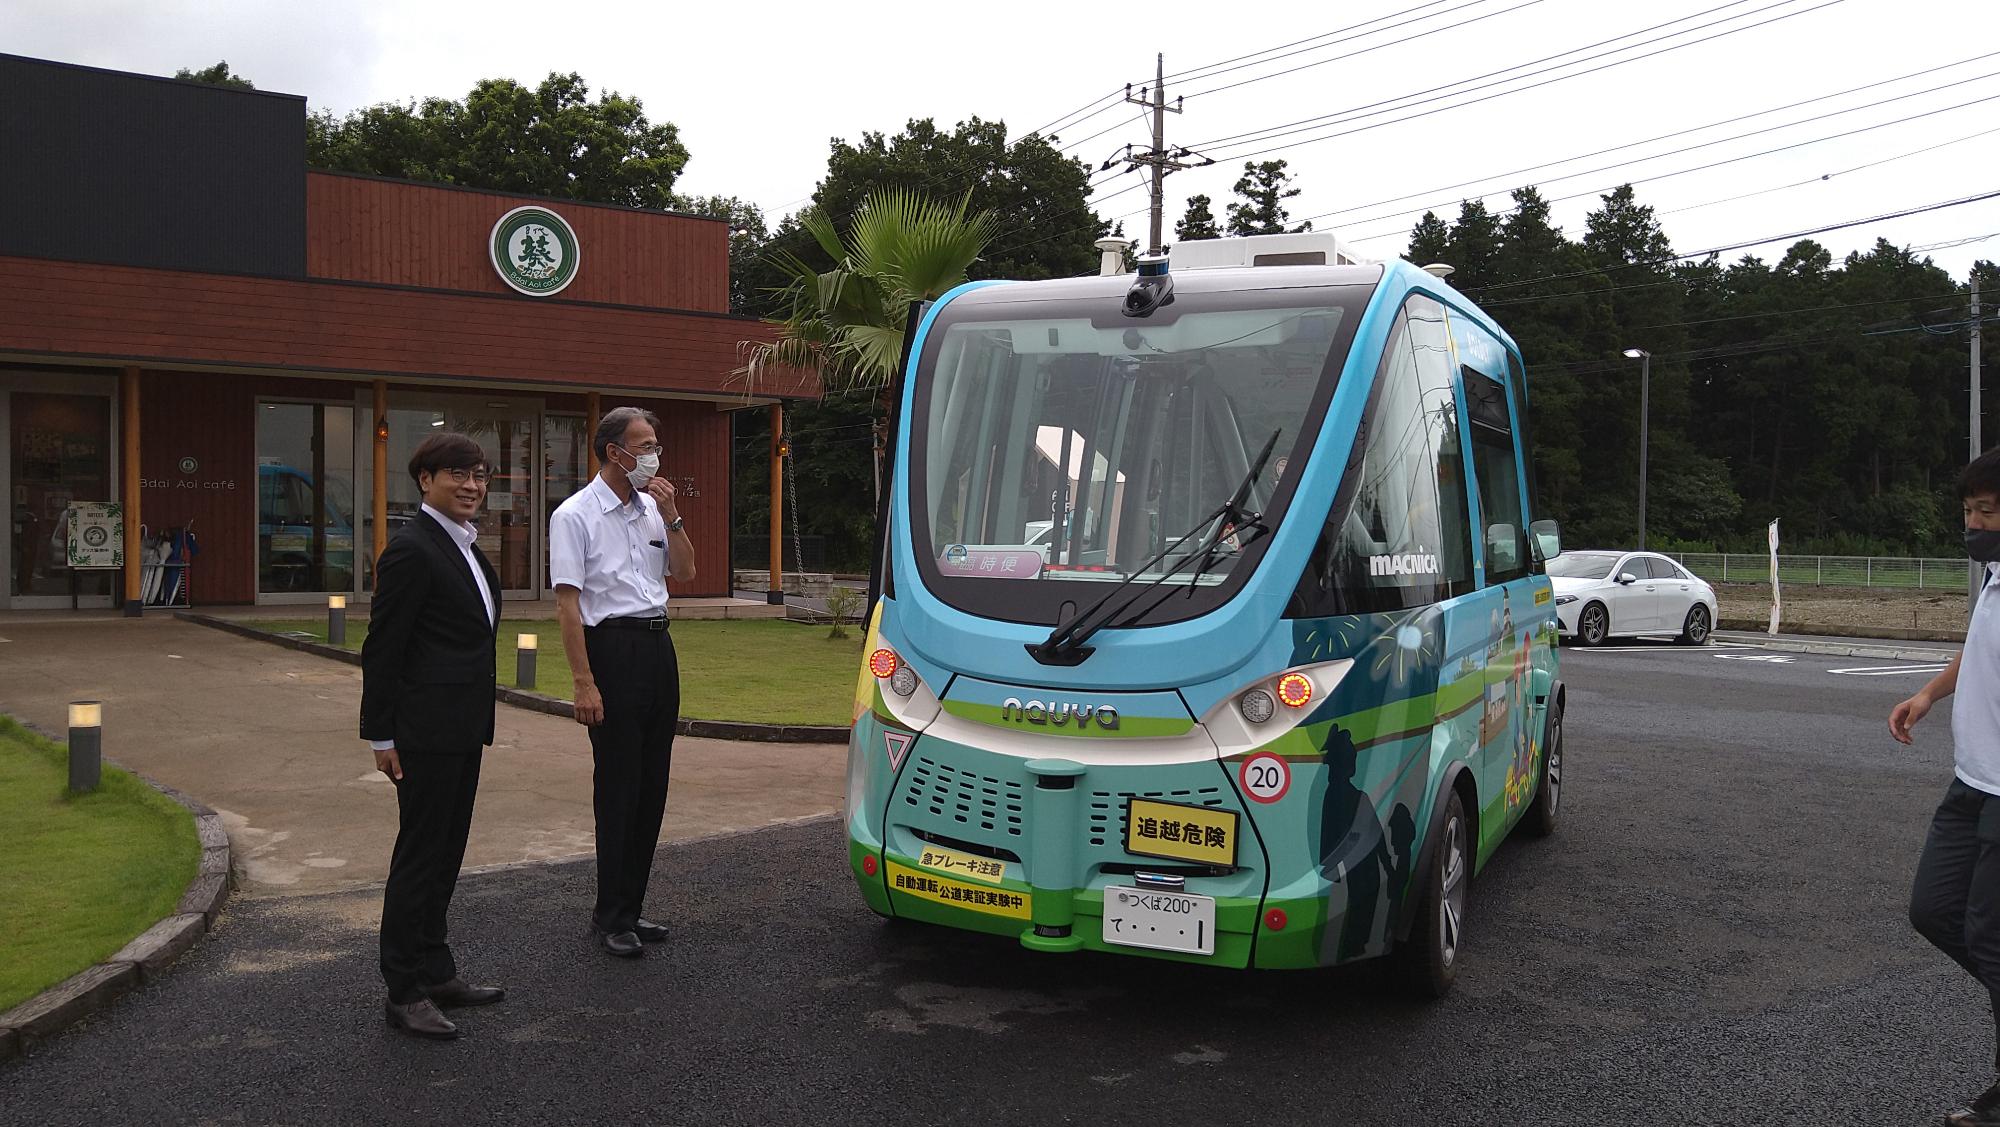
column 1583, row 565
column 1059, row 447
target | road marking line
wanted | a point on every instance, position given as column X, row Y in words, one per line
column 1774, row 659
column 1888, row 670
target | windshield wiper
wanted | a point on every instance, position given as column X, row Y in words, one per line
column 1065, row 644
column 1233, row 516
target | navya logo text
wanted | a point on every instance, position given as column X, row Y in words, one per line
column 1058, row 715
column 1411, row 563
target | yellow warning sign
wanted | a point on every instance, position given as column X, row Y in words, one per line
column 951, row 861
column 958, row 894
column 1182, row 833
column 1543, row 595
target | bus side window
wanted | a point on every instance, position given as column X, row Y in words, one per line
column 1498, row 473
column 1397, row 535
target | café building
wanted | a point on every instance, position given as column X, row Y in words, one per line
column 214, row 363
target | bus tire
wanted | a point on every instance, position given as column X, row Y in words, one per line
column 1428, row 959
column 1546, row 808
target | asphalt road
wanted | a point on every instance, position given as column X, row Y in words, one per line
column 1715, row 935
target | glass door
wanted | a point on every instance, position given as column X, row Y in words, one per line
column 59, row 452
column 565, row 469
column 306, row 538
column 508, row 535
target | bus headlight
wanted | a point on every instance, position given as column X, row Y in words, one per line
column 1257, row 706
column 903, row 680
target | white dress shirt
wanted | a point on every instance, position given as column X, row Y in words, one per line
column 464, row 536
column 614, row 553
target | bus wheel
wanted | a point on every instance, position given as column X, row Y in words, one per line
column 1547, row 805
column 1593, row 625
column 1430, row 956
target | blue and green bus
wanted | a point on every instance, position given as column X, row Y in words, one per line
column 1211, row 620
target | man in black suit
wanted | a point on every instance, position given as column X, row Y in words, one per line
column 427, row 711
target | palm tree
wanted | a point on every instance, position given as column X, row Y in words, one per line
column 846, row 324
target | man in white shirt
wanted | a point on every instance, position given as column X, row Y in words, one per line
column 427, row 712
column 612, row 546
column 1955, row 899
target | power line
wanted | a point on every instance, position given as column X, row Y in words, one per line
column 1842, row 172
column 1650, row 140
column 1209, row 70
column 1537, row 85
column 1274, row 130
column 1716, row 164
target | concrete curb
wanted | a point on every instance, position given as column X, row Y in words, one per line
column 541, row 702
column 146, row 958
column 1839, row 649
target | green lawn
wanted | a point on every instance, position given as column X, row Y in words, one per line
column 763, row 671
column 79, row 877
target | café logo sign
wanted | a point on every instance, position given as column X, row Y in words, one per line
column 534, row 251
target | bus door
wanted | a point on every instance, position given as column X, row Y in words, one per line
column 1508, row 741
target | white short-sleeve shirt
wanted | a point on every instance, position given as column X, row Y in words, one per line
column 1975, row 706
column 614, row 553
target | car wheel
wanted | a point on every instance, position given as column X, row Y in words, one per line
column 1593, row 625
column 1547, row 804
column 1695, row 631
column 1429, row 958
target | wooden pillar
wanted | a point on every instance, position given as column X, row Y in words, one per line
column 128, row 462
column 776, row 595
column 593, row 409
column 379, row 491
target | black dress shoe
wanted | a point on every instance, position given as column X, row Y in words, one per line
column 623, row 944
column 650, row 932
column 458, row 992
column 420, row 1018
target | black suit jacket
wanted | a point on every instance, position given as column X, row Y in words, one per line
column 427, row 664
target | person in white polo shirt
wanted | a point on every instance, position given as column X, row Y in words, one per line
column 612, row 546
column 1955, row 899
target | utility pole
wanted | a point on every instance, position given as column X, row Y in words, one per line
column 1158, row 159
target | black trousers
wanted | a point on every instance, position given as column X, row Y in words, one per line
column 1955, row 901
column 434, row 805
column 640, row 682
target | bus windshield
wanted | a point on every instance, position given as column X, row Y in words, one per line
column 1056, row 447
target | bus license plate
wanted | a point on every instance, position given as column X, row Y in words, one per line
column 1163, row 921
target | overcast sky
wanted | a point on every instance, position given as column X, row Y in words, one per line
column 758, row 90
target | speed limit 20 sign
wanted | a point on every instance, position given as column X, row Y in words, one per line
column 1265, row 777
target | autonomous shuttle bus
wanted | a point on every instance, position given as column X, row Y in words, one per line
column 1211, row 621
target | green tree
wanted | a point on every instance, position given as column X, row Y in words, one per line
column 1430, row 240
column 217, row 75
column 748, row 236
column 552, row 140
column 1261, row 194
column 1198, row 222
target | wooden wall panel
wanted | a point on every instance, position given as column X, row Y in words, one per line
column 368, row 230
column 210, row 418
column 59, row 309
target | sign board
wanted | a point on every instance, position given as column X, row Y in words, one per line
column 95, row 534
column 534, row 251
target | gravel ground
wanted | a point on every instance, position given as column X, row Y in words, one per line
column 1849, row 606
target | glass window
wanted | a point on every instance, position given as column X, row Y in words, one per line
column 506, row 432
column 61, row 448
column 1661, row 568
column 1582, row 565
column 565, row 466
column 1494, row 463
column 1062, row 448
column 1398, row 535
column 305, row 497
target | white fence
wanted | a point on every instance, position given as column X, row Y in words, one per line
column 1828, row 571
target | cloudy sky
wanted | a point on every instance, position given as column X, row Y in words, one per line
column 1399, row 104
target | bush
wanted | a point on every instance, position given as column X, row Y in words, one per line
column 842, row 603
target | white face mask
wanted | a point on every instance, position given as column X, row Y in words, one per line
column 649, row 465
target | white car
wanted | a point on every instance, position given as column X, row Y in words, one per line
column 1602, row 595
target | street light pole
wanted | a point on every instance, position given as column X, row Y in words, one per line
column 1645, row 360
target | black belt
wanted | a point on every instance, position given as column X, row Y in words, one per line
column 655, row 624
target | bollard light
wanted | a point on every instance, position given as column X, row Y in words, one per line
column 86, row 745
column 336, row 619
column 525, row 647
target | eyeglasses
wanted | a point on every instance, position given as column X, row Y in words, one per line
column 460, row 477
column 649, row 448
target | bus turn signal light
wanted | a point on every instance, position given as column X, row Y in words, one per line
column 883, row 663
column 1295, row 690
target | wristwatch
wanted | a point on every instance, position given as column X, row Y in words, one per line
column 676, row 525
